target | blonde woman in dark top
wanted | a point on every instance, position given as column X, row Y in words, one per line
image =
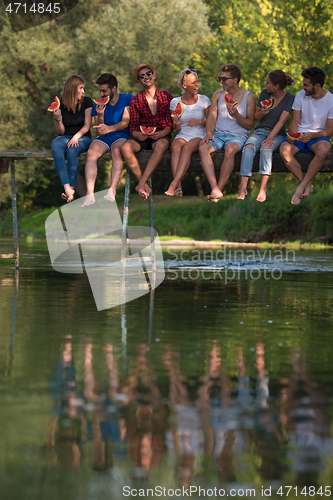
column 72, row 122
column 270, row 132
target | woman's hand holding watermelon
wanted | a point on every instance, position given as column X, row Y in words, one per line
column 176, row 122
column 57, row 114
column 264, row 111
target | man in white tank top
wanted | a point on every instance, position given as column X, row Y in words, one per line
column 313, row 116
column 232, row 115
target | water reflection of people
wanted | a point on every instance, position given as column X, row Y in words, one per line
column 146, row 417
column 306, row 423
column 185, row 437
column 66, row 430
column 219, row 416
column 106, row 427
column 237, row 420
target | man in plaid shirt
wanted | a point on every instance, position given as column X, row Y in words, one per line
column 150, row 108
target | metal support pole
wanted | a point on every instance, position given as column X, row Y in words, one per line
column 151, row 224
column 14, row 206
column 13, row 324
column 125, row 221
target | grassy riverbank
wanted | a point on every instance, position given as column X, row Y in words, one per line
column 274, row 221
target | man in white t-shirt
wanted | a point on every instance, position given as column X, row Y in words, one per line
column 313, row 116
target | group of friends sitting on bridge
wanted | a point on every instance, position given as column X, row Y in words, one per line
column 128, row 124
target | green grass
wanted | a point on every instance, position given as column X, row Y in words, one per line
column 191, row 217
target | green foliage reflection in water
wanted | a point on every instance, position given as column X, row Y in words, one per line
column 193, row 323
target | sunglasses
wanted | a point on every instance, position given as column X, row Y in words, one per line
column 188, row 72
column 143, row 75
column 223, row 79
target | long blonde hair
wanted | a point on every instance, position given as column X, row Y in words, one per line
column 69, row 93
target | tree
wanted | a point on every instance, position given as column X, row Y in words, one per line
column 92, row 38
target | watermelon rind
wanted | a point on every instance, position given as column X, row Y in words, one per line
column 267, row 103
column 54, row 105
column 147, row 129
column 228, row 99
column 103, row 101
column 178, row 111
column 295, row 135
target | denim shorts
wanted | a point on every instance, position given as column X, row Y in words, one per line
column 221, row 139
column 304, row 147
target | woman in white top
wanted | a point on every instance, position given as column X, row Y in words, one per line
column 191, row 126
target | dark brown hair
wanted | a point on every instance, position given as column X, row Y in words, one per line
column 315, row 75
column 233, row 69
column 280, row 78
column 107, row 79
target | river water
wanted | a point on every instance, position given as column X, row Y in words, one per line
column 220, row 379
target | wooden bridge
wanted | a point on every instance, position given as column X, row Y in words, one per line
column 8, row 158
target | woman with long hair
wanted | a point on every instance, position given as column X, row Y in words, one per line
column 190, row 126
column 72, row 122
column 270, row 132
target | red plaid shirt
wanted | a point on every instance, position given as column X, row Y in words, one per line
column 140, row 113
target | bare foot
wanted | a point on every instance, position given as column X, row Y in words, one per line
column 110, row 195
column 170, row 191
column 261, row 196
column 242, row 194
column 89, row 200
column 215, row 195
column 307, row 191
column 295, row 200
column 179, row 192
column 68, row 195
column 143, row 191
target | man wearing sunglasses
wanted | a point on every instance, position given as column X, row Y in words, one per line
column 233, row 122
column 150, row 108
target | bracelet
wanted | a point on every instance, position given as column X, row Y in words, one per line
column 58, row 120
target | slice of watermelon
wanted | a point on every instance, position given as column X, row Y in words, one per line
column 295, row 135
column 228, row 100
column 267, row 103
column 103, row 101
column 55, row 105
column 178, row 111
column 147, row 130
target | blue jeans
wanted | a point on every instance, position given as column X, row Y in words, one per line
column 248, row 154
column 68, row 174
column 222, row 139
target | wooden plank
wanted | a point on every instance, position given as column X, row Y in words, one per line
column 165, row 164
column 278, row 164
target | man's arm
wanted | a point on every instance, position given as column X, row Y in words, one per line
column 161, row 133
column 211, row 119
column 328, row 132
column 248, row 121
column 134, row 123
column 106, row 129
column 293, row 125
